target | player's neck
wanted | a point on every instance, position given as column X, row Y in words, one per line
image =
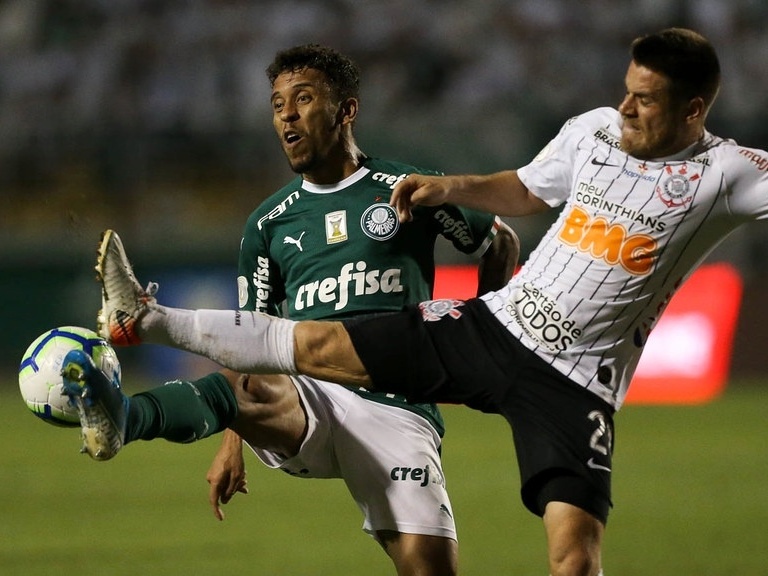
column 337, row 166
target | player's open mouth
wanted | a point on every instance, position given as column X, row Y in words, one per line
column 291, row 137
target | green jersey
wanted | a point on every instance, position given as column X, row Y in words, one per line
column 331, row 252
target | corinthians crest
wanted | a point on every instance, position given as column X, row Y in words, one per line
column 675, row 189
column 379, row 221
column 433, row 310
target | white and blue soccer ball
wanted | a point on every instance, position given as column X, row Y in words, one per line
column 40, row 380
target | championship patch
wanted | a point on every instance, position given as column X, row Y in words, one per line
column 380, row 221
column 336, row 227
column 433, row 310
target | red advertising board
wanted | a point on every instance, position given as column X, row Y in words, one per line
column 688, row 354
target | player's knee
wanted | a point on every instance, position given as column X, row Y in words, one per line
column 261, row 388
column 270, row 414
column 574, row 539
column 263, row 396
column 576, row 562
column 420, row 554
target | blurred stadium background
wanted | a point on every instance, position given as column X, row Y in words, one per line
column 152, row 117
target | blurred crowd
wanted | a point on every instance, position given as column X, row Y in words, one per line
column 122, row 97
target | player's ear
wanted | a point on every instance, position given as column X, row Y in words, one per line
column 347, row 111
column 696, row 109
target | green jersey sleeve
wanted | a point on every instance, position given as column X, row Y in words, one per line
column 470, row 231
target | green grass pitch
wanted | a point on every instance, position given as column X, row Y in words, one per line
column 690, row 491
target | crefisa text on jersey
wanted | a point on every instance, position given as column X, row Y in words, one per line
column 388, row 179
column 457, row 229
column 354, row 279
column 337, row 290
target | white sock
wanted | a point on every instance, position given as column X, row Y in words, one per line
column 242, row 341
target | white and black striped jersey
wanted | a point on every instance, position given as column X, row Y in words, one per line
column 629, row 234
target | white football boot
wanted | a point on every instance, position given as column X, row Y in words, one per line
column 123, row 300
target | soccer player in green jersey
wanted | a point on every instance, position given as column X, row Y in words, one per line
column 329, row 246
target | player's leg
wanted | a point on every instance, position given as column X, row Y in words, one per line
column 183, row 411
column 420, row 554
column 564, row 445
column 246, row 342
column 180, row 411
column 270, row 417
column 263, row 409
column 574, row 540
column 251, row 342
column 342, row 438
column 389, row 458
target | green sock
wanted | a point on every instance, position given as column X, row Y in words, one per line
column 182, row 411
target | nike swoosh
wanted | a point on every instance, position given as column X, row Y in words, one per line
column 597, row 162
column 595, row 466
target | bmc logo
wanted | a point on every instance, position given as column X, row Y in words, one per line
column 609, row 242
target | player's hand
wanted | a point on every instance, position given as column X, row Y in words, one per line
column 226, row 475
column 418, row 189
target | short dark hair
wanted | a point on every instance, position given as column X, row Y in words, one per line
column 685, row 57
column 342, row 73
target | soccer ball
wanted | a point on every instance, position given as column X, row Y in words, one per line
column 40, row 380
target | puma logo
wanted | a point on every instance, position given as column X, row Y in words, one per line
column 297, row 242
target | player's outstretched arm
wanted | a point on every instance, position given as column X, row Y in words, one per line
column 501, row 193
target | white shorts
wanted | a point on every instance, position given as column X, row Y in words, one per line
column 388, row 457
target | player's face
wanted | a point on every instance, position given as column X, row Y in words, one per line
column 654, row 124
column 306, row 119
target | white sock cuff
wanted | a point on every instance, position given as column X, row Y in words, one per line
column 242, row 341
column 279, row 344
